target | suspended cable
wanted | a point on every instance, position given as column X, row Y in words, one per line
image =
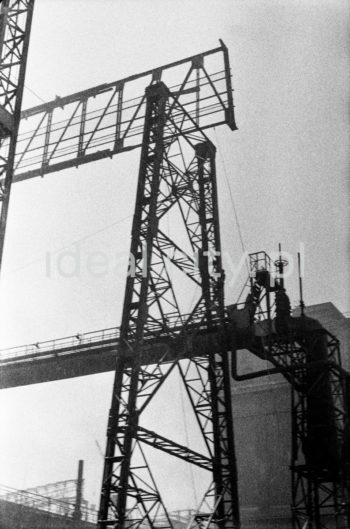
column 29, row 89
column 231, row 195
column 74, row 242
column 35, row 94
column 187, row 441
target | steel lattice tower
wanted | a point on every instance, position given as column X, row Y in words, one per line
column 15, row 24
column 171, row 130
column 151, row 307
column 177, row 172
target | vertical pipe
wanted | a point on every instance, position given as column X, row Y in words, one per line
column 280, row 267
column 302, row 305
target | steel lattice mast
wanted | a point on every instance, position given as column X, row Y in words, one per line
column 15, row 24
column 177, row 172
column 171, row 119
column 202, row 93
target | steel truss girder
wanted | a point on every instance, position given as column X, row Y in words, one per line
column 167, row 182
column 15, row 25
column 107, row 119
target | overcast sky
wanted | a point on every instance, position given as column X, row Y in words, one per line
column 286, row 166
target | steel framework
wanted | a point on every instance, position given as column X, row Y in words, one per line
column 319, row 406
column 15, row 23
column 176, row 176
column 166, row 118
column 172, row 123
column 108, row 119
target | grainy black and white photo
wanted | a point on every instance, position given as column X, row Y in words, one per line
column 174, row 264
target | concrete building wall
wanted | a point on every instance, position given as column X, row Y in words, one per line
column 262, row 433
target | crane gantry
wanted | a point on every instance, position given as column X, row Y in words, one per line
column 177, row 188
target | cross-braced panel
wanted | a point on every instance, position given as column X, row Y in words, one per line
column 174, row 269
column 107, row 119
column 15, row 24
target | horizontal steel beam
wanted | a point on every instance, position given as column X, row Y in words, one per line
column 97, row 352
column 175, row 449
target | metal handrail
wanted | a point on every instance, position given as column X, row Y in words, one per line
column 69, row 342
column 76, row 343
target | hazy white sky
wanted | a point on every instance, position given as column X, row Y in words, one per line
column 287, row 167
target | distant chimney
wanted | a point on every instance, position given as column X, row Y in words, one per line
column 79, row 492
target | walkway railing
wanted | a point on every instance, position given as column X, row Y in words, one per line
column 79, row 342
column 70, row 343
